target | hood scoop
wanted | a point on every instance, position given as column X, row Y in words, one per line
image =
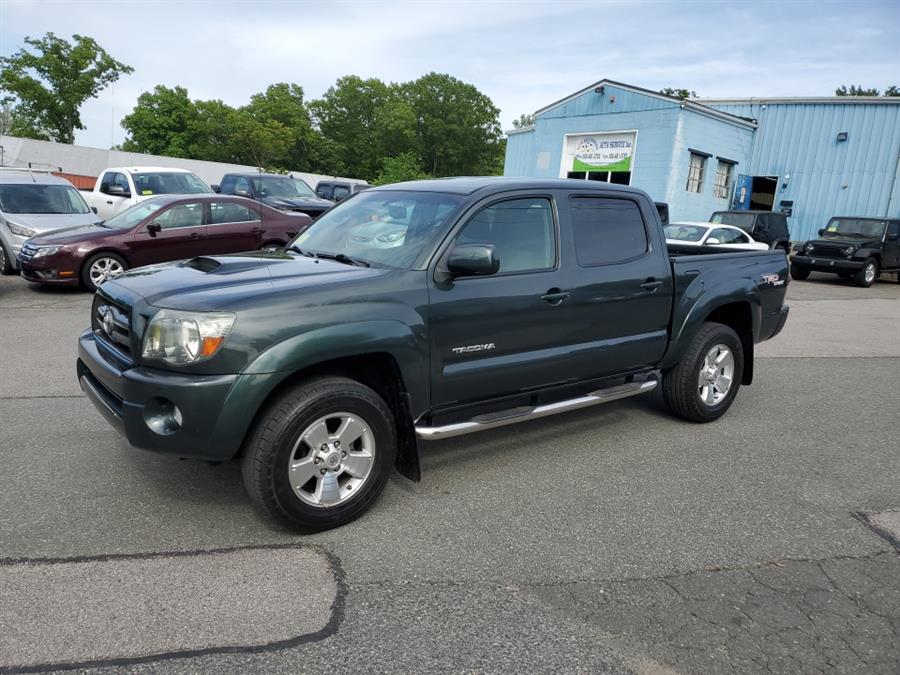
column 203, row 264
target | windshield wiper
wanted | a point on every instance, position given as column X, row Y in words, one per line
column 303, row 252
column 344, row 258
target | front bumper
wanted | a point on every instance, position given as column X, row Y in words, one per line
column 827, row 264
column 47, row 274
column 214, row 411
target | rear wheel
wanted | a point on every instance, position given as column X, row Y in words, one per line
column 867, row 274
column 320, row 454
column 100, row 268
column 6, row 266
column 702, row 387
column 799, row 273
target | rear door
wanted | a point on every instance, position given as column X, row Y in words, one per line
column 891, row 257
column 233, row 227
column 504, row 333
column 622, row 290
column 182, row 235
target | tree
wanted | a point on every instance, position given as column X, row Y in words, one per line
column 51, row 82
column 283, row 103
column 893, row 90
column 162, row 123
column 524, row 121
column 403, row 167
column 855, row 90
column 457, row 127
column 679, row 93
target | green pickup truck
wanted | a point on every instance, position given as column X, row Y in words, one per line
column 421, row 311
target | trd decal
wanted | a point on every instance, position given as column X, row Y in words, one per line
column 773, row 279
column 473, row 348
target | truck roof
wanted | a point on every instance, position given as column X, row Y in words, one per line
column 467, row 185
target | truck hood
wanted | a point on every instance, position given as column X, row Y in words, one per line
column 842, row 242
column 223, row 282
column 316, row 204
column 50, row 222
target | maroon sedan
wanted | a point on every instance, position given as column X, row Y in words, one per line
column 168, row 227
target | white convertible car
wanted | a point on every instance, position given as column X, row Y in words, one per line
column 711, row 234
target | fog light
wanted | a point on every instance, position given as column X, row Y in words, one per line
column 162, row 417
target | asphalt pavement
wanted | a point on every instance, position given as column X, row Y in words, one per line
column 613, row 539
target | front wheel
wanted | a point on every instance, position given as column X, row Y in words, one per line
column 320, row 454
column 799, row 273
column 867, row 274
column 100, row 268
column 702, row 387
column 6, row 266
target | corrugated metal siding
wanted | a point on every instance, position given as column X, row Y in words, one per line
column 612, row 100
column 856, row 177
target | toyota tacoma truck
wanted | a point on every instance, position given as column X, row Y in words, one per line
column 421, row 311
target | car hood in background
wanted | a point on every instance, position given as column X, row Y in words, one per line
column 50, row 222
column 315, row 204
column 221, row 282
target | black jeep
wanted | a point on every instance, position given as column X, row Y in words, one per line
column 853, row 248
column 769, row 227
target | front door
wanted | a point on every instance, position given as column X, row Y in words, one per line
column 182, row 235
column 504, row 333
column 233, row 228
column 891, row 256
column 622, row 287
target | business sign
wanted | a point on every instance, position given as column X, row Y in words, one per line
column 599, row 152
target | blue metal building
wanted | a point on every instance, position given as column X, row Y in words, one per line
column 811, row 158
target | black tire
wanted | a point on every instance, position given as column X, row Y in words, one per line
column 859, row 277
column 86, row 280
column 272, row 443
column 799, row 273
column 6, row 266
column 681, row 388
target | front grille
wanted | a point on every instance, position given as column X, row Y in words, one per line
column 27, row 251
column 111, row 323
column 825, row 251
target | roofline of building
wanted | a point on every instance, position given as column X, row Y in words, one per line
column 519, row 130
column 775, row 100
column 683, row 103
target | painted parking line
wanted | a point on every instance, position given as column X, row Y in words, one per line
column 132, row 608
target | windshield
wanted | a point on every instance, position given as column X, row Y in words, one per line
column 277, row 186
column 860, row 227
column 686, row 232
column 158, row 183
column 135, row 214
column 741, row 220
column 383, row 229
column 35, row 198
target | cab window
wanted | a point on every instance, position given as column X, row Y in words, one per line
column 522, row 232
column 607, row 230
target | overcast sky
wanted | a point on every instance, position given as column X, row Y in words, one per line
column 523, row 55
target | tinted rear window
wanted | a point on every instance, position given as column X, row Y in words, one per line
column 607, row 230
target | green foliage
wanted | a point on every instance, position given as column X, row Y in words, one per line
column 855, row 90
column 162, row 123
column 524, row 121
column 51, row 81
column 893, row 90
column 403, row 167
column 679, row 93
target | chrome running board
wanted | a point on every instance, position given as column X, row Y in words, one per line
column 502, row 418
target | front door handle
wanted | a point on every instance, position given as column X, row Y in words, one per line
column 554, row 296
column 651, row 284
column 195, row 235
column 109, row 202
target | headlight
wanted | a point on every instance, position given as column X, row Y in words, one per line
column 808, row 247
column 44, row 251
column 850, row 250
column 185, row 337
column 20, row 230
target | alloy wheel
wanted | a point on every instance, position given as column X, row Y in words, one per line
column 716, row 375
column 103, row 269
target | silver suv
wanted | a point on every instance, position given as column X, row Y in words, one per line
column 33, row 203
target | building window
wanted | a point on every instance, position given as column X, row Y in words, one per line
column 722, row 186
column 696, row 169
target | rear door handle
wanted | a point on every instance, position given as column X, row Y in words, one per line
column 554, row 296
column 109, row 202
column 196, row 235
column 651, row 284
column 256, row 230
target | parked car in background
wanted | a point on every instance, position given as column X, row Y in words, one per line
column 707, row 234
column 118, row 188
column 420, row 311
column 33, row 203
column 336, row 190
column 769, row 227
column 280, row 192
column 853, row 248
column 159, row 229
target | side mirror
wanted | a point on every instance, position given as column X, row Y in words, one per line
column 154, row 228
column 242, row 193
column 216, row 188
column 712, row 241
column 822, row 231
column 118, row 191
column 472, row 260
column 94, row 209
